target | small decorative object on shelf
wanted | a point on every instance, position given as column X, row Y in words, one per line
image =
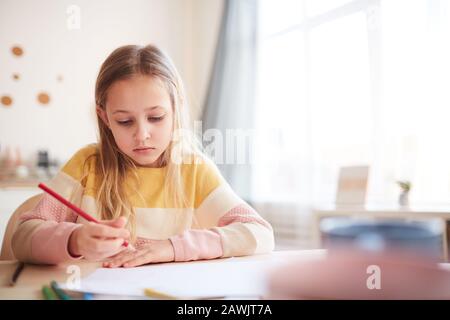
column 403, row 199
column 16, row 172
column 46, row 167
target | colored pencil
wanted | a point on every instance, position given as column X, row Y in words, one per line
column 48, row 293
column 61, row 294
column 152, row 293
column 16, row 273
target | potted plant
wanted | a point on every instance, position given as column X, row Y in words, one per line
column 403, row 199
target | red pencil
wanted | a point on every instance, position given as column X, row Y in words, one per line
column 71, row 206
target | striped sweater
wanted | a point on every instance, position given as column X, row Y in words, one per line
column 215, row 223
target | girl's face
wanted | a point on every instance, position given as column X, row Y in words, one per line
column 140, row 116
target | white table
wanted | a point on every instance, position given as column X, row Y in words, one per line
column 33, row 277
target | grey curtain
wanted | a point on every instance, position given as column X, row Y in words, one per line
column 229, row 105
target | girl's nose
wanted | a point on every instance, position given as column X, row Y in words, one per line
column 142, row 133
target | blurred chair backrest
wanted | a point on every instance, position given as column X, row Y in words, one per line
column 6, row 253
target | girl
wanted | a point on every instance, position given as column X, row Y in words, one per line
column 146, row 180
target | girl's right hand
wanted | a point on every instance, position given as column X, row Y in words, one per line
column 97, row 241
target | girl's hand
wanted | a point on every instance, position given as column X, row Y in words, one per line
column 152, row 252
column 97, row 241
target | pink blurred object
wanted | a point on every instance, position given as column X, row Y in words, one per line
column 360, row 275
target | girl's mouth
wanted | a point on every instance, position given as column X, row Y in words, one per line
column 144, row 150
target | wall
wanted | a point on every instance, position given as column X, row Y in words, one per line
column 186, row 29
column 206, row 19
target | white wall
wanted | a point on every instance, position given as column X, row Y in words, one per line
column 206, row 19
column 186, row 29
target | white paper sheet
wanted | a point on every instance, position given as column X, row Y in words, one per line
column 229, row 277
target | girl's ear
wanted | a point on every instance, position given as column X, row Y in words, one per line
column 102, row 114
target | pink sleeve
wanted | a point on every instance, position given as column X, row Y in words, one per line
column 207, row 244
column 197, row 245
column 49, row 243
column 245, row 214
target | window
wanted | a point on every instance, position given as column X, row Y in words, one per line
column 351, row 83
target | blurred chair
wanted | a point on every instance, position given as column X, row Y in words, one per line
column 419, row 237
column 6, row 253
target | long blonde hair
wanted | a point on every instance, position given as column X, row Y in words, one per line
column 112, row 165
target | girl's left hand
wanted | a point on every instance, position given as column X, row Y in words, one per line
column 152, row 252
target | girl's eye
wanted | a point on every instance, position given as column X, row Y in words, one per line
column 130, row 122
column 124, row 123
column 155, row 119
